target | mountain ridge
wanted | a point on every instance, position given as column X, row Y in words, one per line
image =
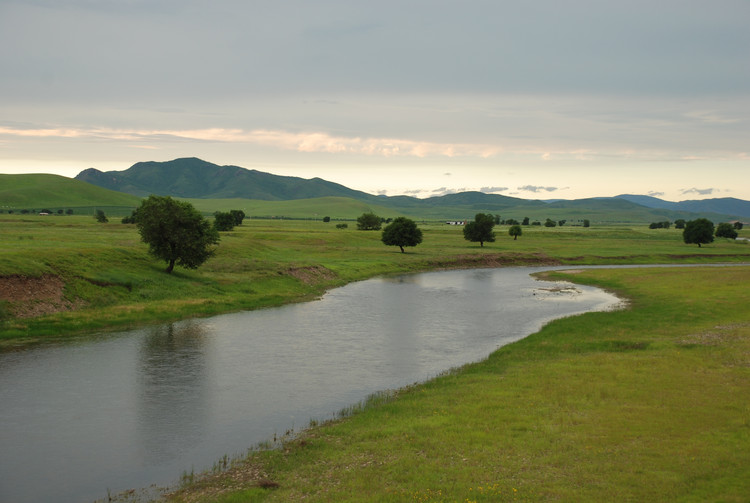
column 195, row 178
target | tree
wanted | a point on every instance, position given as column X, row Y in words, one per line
column 326, row 219
column 586, row 223
column 480, row 229
column 679, row 223
column 725, row 230
column 515, row 231
column 738, row 225
column 101, row 217
column 525, row 221
column 402, row 232
column 550, row 223
column 698, row 231
column 238, row 216
column 224, row 221
column 175, row 232
column 368, row 222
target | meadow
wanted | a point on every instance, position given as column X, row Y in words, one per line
column 646, row 403
column 650, row 403
column 106, row 279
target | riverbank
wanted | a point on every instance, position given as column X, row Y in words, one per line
column 644, row 404
column 71, row 275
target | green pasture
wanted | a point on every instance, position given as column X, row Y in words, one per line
column 645, row 404
column 113, row 283
column 649, row 403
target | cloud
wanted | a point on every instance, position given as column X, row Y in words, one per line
column 490, row 190
column 309, row 142
column 702, row 192
column 537, row 188
column 444, row 191
column 653, row 193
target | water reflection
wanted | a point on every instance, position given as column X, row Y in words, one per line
column 173, row 379
column 131, row 409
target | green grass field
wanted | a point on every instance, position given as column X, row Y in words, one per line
column 112, row 282
column 651, row 403
column 644, row 404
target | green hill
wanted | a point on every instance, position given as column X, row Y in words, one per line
column 210, row 187
column 194, row 178
column 54, row 192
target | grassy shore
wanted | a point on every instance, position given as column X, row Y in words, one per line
column 63, row 275
column 645, row 404
column 651, row 403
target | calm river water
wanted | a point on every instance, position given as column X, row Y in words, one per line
column 131, row 409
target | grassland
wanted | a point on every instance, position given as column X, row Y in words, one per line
column 109, row 281
column 651, row 403
column 646, row 404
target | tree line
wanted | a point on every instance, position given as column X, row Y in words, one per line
column 178, row 233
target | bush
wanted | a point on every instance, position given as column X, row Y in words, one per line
column 725, row 230
column 224, row 221
column 369, row 222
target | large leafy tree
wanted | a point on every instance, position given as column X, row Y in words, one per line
column 175, row 232
column 480, row 230
column 698, row 231
column 402, row 232
column 369, row 222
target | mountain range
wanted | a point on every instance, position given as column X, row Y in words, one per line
column 198, row 179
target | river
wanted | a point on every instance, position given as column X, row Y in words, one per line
column 91, row 416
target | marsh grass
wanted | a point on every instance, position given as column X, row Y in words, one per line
column 651, row 403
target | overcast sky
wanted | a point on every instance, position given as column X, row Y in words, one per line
column 535, row 99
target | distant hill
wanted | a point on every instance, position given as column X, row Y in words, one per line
column 44, row 191
column 194, row 178
column 723, row 205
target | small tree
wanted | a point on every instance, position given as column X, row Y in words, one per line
column 550, row 223
column 369, row 222
column 130, row 219
column 238, row 216
column 586, row 223
column 725, row 230
column 224, row 221
column 101, row 217
column 480, row 230
column 738, row 225
column 515, row 231
column 698, row 231
column 326, row 219
column 525, row 221
column 401, row 232
column 175, row 232
column 679, row 223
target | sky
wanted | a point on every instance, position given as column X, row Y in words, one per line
column 539, row 99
